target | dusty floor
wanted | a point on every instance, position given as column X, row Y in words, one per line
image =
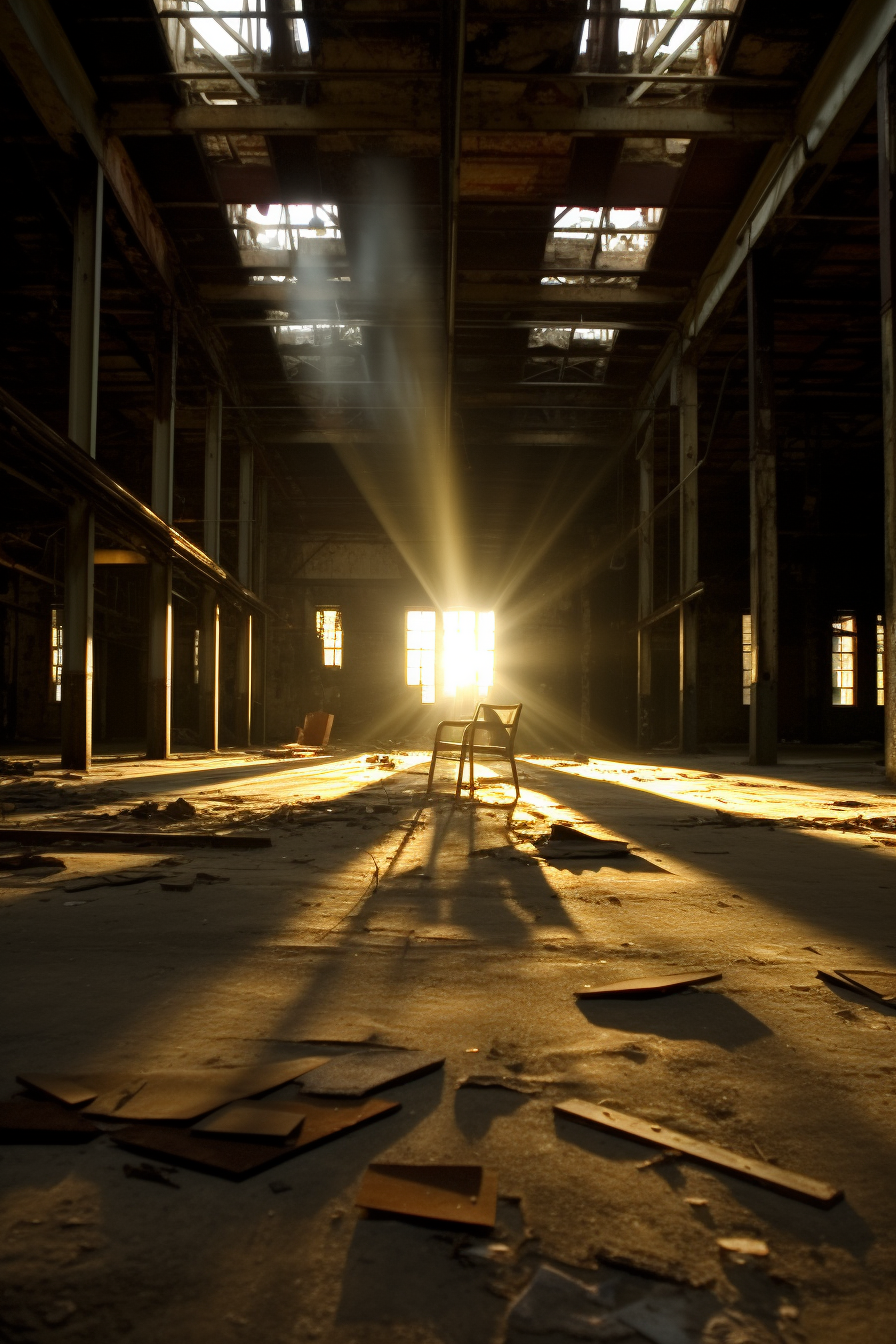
column 376, row 917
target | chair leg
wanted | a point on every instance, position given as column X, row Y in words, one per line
column 472, row 786
column 460, row 773
column 432, row 767
column 516, row 782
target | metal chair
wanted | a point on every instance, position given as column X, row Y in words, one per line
column 497, row 724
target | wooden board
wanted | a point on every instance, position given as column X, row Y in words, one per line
column 464, row 1195
column 184, row 1095
column 28, row 1121
column 251, row 1120
column 880, row 985
column 643, row 1131
column 647, row 986
column 322, row 1121
column 72, row 1089
column 364, row 1071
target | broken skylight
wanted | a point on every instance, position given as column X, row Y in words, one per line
column 685, row 40
column 605, row 239
column 321, row 334
column 305, row 230
column 200, row 33
column 571, row 338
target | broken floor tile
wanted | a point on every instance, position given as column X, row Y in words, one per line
column 365, row 1071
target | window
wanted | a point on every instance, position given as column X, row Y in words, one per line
column 468, row 653
column 880, row 660
column 329, row 631
column 746, row 656
column 421, row 653
column 56, row 654
column 844, row 661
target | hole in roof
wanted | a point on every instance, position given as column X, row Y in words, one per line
column 239, row 38
column 564, row 338
column 311, row 230
column 607, row 238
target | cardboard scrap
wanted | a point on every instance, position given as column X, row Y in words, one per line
column 27, row 1121
column 879, row 985
column 643, row 1131
column 237, row 1159
column 743, row 1245
column 647, row 986
column 183, row 1095
column 262, row 1122
column 445, row 1194
column 511, row 1082
column 364, row 1071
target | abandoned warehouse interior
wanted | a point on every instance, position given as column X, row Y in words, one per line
column 364, row 363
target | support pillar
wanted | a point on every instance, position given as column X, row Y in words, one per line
column 687, row 557
column 209, row 665
column 645, row 584
column 158, row 680
column 77, row 619
column 259, row 676
column 763, row 513
column 243, row 683
column 209, row 613
column 886, row 157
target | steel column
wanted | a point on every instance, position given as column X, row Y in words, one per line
column 645, row 583
column 77, row 619
column 243, row 680
column 763, row 513
column 209, row 665
column 158, row 678
column 687, row 556
column 244, row 540
column 259, row 676
column 886, row 152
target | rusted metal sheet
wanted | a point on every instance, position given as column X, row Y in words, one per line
column 648, row 986
column 445, row 1194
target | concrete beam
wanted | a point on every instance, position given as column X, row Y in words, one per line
column 389, row 112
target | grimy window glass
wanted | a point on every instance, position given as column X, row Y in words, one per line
column 843, row 661
column 329, row 632
column 421, row 653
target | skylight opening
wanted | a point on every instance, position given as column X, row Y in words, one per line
column 245, row 36
column 563, row 338
column 317, row 334
column 606, row 238
column 286, row 228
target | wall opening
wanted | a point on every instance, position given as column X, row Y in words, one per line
column 843, row 661
column 329, row 632
column 421, row 653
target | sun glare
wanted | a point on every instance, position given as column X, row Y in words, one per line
column 468, row 651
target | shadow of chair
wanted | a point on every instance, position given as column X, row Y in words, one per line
column 489, row 735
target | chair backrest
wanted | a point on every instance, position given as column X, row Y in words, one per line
column 502, row 721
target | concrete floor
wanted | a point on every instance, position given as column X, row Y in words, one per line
column 437, row 927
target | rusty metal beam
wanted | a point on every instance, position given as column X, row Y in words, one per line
column 286, row 296
column 387, row 111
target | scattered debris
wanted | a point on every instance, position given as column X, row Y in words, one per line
column 124, row 878
column 27, row 1121
column 8, row 767
column 357, row 1074
column 648, row 986
column 263, row 1122
column 147, row 1172
column 142, row 810
column 179, row 810
column 51, row 835
column 643, row 1131
column 237, row 1158
column 447, row 1194
column 211, row 877
column 664, row 1317
column 743, row 1245
column 555, row 1303
column 279, row 1187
